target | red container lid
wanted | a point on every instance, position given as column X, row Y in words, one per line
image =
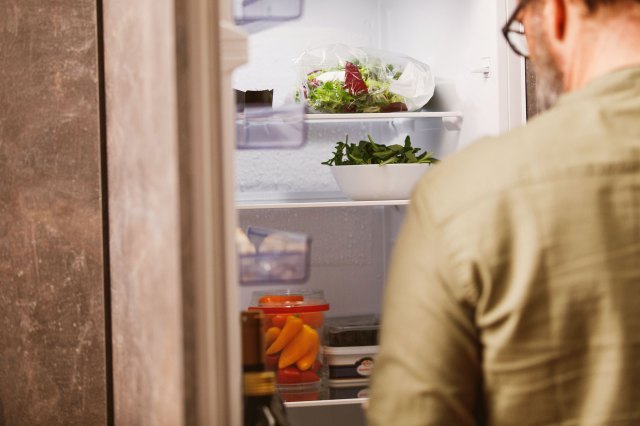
column 289, row 301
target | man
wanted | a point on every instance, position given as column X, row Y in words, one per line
column 513, row 296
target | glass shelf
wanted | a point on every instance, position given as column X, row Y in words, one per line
column 327, row 402
column 381, row 116
column 286, row 127
column 323, row 203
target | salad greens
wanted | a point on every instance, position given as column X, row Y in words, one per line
column 358, row 89
column 369, row 152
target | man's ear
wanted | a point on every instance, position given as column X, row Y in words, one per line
column 556, row 12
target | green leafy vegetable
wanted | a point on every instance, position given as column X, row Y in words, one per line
column 369, row 152
column 334, row 97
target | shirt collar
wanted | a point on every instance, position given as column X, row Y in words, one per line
column 621, row 80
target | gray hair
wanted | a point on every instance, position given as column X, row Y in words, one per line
column 594, row 4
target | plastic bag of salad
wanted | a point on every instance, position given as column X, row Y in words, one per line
column 343, row 79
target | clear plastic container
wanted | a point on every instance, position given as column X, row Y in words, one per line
column 264, row 127
column 348, row 388
column 354, row 362
column 250, row 11
column 359, row 330
column 302, row 392
column 274, row 256
column 293, row 329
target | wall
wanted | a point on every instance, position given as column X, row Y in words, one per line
column 52, row 316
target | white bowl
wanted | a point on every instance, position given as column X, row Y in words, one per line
column 374, row 182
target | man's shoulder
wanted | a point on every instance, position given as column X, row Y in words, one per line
column 574, row 138
column 490, row 167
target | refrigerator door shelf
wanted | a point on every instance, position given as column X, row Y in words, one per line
column 271, row 128
column 249, row 12
column 280, row 257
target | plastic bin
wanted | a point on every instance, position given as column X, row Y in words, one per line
column 276, row 257
column 293, row 329
column 302, row 392
column 360, row 330
column 250, row 11
column 271, row 128
column 348, row 388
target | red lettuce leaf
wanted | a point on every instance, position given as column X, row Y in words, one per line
column 353, row 81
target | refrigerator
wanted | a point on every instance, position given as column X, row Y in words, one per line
column 269, row 162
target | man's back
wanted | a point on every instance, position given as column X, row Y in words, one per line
column 517, row 275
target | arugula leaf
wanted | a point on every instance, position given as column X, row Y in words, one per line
column 370, row 152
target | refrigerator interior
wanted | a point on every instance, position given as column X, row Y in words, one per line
column 456, row 39
column 476, row 78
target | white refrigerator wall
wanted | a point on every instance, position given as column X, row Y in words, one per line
column 456, row 38
column 347, row 253
column 459, row 39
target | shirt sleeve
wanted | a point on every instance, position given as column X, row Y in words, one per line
column 428, row 369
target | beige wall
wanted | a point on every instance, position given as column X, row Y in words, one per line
column 52, row 316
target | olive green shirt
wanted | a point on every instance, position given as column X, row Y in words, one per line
column 513, row 296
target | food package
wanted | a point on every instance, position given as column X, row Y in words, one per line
column 343, row 79
column 356, row 330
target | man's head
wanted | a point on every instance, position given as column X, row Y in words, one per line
column 571, row 42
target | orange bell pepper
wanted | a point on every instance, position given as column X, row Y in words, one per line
column 290, row 330
column 271, row 335
column 279, row 320
column 302, row 344
column 309, row 358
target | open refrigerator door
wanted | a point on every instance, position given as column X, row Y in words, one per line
column 274, row 150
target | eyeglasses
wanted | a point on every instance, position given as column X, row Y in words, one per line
column 513, row 31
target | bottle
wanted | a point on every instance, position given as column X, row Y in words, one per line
column 253, row 351
column 262, row 405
